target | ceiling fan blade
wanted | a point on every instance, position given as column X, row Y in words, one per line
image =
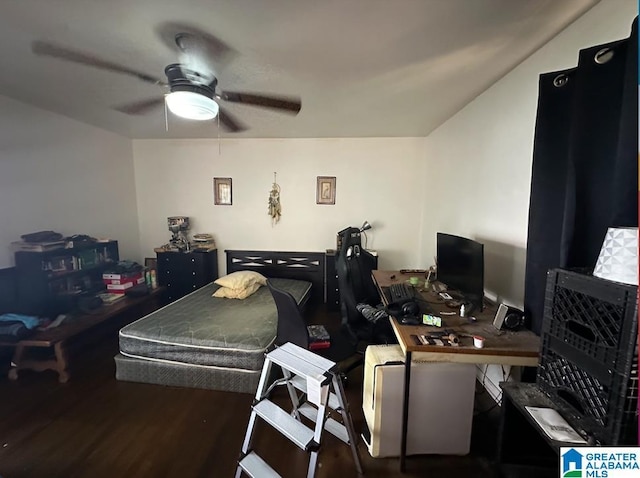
column 183, row 36
column 49, row 49
column 230, row 123
column 140, row 107
column 282, row 103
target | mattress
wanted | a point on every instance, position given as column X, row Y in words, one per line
column 202, row 330
column 173, row 374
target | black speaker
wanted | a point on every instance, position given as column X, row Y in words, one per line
column 508, row 318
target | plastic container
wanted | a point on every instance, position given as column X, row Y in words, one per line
column 594, row 316
column 589, row 355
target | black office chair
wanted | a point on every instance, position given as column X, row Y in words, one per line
column 353, row 267
column 292, row 327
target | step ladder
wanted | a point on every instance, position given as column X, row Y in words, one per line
column 315, row 389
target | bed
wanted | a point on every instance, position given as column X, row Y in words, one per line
column 201, row 341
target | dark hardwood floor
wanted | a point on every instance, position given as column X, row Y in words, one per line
column 94, row 426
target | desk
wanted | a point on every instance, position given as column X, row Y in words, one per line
column 500, row 347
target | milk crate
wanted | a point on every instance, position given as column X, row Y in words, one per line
column 605, row 401
column 589, row 356
column 594, row 316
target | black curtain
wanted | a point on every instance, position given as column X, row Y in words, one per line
column 585, row 164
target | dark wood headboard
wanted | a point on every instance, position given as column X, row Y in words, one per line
column 307, row 266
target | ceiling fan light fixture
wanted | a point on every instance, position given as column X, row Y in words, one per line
column 191, row 105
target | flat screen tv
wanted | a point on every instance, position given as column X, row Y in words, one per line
column 461, row 267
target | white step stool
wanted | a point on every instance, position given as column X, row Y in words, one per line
column 322, row 393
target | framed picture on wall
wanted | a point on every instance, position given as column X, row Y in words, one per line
column 326, row 190
column 222, row 191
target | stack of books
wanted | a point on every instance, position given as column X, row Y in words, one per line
column 119, row 282
column 37, row 246
column 319, row 338
column 203, row 242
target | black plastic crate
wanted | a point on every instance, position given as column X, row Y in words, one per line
column 594, row 316
column 605, row 401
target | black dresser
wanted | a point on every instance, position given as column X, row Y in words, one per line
column 184, row 272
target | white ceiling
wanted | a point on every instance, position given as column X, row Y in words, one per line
column 363, row 68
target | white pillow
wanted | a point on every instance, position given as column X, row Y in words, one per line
column 241, row 280
column 228, row 293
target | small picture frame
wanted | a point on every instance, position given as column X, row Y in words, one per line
column 326, row 190
column 222, row 193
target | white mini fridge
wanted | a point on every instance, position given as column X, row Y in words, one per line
column 440, row 404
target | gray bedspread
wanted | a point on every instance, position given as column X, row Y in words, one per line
column 203, row 330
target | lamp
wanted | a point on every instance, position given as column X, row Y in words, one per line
column 618, row 259
column 365, row 226
column 191, row 105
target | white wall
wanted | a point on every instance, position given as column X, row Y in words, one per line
column 481, row 158
column 61, row 175
column 380, row 180
column 481, row 161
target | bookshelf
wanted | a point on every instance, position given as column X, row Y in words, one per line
column 51, row 281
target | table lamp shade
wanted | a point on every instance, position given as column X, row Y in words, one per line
column 618, row 259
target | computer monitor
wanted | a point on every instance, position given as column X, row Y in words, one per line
column 461, row 267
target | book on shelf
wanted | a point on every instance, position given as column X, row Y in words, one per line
column 319, row 337
column 120, row 288
column 133, row 278
column 123, row 276
column 59, row 264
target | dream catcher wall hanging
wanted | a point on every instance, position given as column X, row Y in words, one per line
column 275, row 208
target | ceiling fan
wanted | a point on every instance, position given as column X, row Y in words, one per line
column 192, row 84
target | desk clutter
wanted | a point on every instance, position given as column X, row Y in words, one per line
column 448, row 338
column 444, row 339
column 457, row 345
column 438, row 317
column 407, row 303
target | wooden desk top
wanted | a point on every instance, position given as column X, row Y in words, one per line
column 500, row 346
